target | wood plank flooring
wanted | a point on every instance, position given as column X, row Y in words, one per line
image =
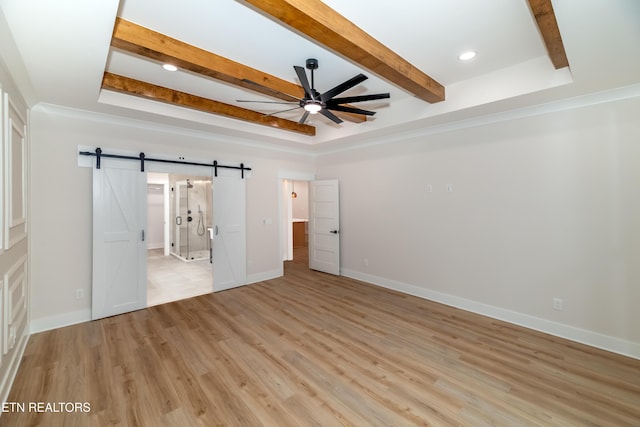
column 310, row 349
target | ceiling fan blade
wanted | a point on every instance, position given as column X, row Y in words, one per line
column 282, row 111
column 350, row 110
column 303, row 118
column 328, row 114
column 268, row 102
column 302, row 76
column 342, row 87
column 359, row 98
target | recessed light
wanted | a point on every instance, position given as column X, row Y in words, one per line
column 466, row 56
column 170, row 67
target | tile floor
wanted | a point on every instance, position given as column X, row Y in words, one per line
column 170, row 279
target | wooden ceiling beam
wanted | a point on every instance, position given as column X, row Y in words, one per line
column 142, row 41
column 327, row 27
column 548, row 25
column 145, row 90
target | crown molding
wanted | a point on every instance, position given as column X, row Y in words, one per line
column 395, row 135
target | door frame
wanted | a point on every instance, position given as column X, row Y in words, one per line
column 285, row 208
column 163, row 179
column 157, row 167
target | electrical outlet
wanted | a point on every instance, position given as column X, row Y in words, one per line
column 558, row 304
column 449, row 188
column 79, row 293
column 366, row 262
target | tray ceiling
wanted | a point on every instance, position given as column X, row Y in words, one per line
column 406, row 48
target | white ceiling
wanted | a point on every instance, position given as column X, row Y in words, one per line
column 63, row 48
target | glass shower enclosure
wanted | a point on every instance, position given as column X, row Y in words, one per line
column 191, row 210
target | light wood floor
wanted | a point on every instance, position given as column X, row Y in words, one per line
column 311, row 349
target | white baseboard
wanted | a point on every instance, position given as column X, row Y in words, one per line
column 593, row 339
column 14, row 364
column 264, row 275
column 60, row 320
column 66, row 319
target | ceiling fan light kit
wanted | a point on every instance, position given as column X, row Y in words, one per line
column 313, row 107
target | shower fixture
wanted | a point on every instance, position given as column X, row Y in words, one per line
column 200, row 230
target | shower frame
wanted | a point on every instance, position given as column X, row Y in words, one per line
column 186, row 219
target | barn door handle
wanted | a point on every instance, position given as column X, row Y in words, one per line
column 142, row 235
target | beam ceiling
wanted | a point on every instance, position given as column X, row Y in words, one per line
column 311, row 18
column 142, row 41
column 546, row 20
column 145, row 90
column 327, row 27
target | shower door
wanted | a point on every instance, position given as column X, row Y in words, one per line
column 182, row 219
column 192, row 218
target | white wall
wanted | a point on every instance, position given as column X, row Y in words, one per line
column 14, row 222
column 542, row 207
column 62, row 201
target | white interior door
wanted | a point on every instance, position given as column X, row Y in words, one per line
column 119, row 249
column 229, row 231
column 324, row 226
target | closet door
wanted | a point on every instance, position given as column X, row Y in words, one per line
column 229, row 231
column 119, row 247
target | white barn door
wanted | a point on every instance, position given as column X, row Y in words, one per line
column 229, row 230
column 324, row 226
column 119, row 247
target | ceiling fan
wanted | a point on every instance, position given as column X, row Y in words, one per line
column 323, row 103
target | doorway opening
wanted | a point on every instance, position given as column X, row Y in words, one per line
column 313, row 206
column 179, row 230
column 296, row 220
column 120, row 256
